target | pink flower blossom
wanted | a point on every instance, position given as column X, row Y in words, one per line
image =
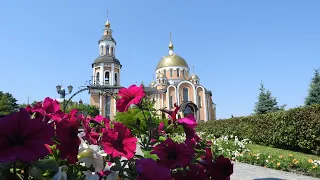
column 50, row 109
column 67, row 132
column 23, row 138
column 220, row 169
column 132, row 95
column 119, row 141
column 149, row 169
column 172, row 155
column 189, row 123
column 172, row 114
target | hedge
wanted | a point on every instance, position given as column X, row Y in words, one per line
column 297, row 129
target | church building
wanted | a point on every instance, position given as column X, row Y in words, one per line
column 174, row 83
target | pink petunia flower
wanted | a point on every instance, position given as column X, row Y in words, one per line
column 220, row 169
column 149, row 169
column 49, row 109
column 67, row 132
column 172, row 155
column 189, row 123
column 172, row 114
column 23, row 138
column 132, row 95
column 119, row 141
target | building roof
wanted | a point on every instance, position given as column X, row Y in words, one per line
column 106, row 59
column 108, row 38
column 172, row 60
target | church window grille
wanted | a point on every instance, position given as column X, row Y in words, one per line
column 107, row 106
column 170, row 102
column 171, row 73
column 185, row 94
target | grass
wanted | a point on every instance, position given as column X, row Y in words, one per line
column 281, row 152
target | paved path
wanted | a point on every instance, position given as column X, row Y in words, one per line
column 250, row 172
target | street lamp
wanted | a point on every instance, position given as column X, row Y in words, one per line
column 63, row 94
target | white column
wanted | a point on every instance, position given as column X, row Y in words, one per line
column 101, row 74
column 100, row 103
column 112, row 74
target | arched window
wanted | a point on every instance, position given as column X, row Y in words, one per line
column 178, row 72
column 170, row 102
column 199, row 102
column 185, row 94
column 170, row 72
column 101, row 50
column 184, row 73
column 97, row 78
column 115, row 79
column 107, row 49
column 111, row 50
column 165, row 72
column 106, row 77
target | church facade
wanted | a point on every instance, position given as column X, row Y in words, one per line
column 174, row 84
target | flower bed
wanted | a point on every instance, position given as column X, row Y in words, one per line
column 42, row 142
column 238, row 150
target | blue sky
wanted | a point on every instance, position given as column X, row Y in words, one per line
column 232, row 44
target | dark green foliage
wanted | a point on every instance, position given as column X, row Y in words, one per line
column 266, row 103
column 314, row 90
column 85, row 109
column 8, row 103
column 296, row 129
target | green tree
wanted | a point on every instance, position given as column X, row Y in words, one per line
column 85, row 109
column 266, row 103
column 8, row 103
column 314, row 90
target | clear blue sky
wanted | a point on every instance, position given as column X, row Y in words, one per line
column 232, row 44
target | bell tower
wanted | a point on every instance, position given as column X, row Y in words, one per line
column 105, row 74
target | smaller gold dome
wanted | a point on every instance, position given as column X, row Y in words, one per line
column 171, row 46
column 193, row 77
column 108, row 24
column 152, row 84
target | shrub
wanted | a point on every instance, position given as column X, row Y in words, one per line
column 296, row 129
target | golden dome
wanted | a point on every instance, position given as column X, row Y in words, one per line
column 172, row 60
column 193, row 77
column 152, row 83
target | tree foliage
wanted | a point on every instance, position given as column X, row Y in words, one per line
column 314, row 90
column 85, row 109
column 8, row 103
column 266, row 103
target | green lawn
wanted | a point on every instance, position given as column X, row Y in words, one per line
column 265, row 149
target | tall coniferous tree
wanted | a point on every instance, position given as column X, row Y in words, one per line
column 266, row 103
column 314, row 90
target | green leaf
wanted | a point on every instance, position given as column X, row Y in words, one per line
column 47, row 164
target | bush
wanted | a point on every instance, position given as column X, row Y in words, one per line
column 296, row 129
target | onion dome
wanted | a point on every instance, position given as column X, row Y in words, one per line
column 172, row 59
